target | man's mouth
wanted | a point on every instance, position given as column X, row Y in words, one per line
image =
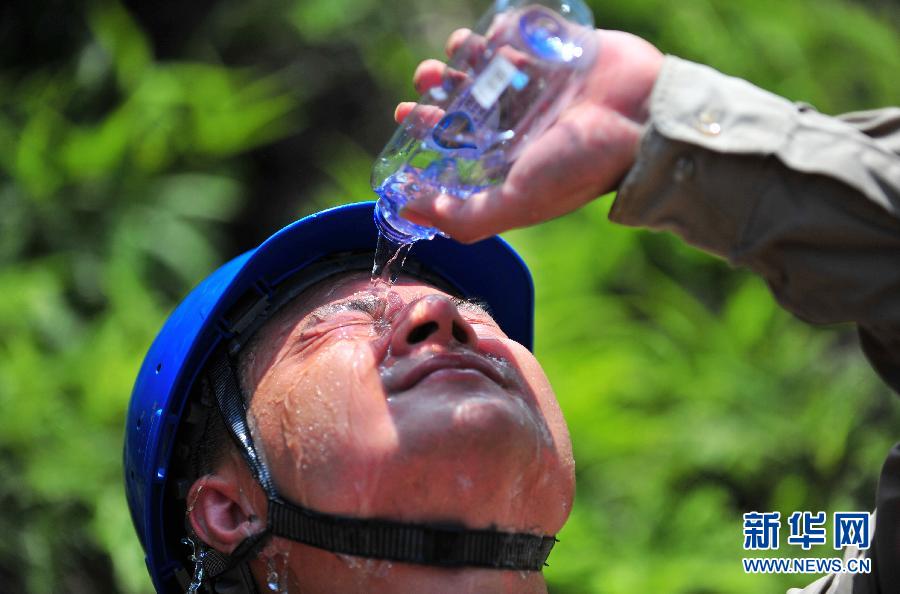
column 404, row 375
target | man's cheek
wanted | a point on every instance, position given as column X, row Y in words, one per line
column 368, row 421
column 362, row 434
column 345, row 385
column 543, row 396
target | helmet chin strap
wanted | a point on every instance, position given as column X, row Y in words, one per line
column 440, row 545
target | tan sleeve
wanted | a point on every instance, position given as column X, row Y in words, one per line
column 808, row 201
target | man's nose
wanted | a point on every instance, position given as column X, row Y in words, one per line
column 431, row 320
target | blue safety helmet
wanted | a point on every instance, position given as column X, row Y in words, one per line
column 242, row 289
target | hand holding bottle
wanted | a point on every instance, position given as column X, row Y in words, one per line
column 585, row 153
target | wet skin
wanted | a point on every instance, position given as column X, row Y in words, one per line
column 408, row 404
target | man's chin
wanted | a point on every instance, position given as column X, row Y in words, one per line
column 481, row 457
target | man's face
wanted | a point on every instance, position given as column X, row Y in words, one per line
column 406, row 403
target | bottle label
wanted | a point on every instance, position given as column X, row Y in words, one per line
column 491, row 83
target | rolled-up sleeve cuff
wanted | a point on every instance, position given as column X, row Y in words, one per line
column 807, row 201
column 697, row 116
column 678, row 186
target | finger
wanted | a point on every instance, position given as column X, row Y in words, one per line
column 478, row 216
column 417, row 115
column 432, row 74
column 465, row 48
column 517, row 58
column 455, row 41
column 429, row 73
column 403, row 109
column 416, row 218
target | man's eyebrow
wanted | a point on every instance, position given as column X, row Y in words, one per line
column 371, row 305
column 367, row 305
column 475, row 305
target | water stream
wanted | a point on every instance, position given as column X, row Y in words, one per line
column 389, row 260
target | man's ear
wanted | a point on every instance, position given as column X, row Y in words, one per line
column 220, row 513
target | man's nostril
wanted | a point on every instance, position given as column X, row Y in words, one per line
column 421, row 332
column 460, row 334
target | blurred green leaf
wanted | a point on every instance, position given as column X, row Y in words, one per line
column 325, row 20
column 122, row 39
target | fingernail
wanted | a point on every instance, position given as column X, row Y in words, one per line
column 403, row 105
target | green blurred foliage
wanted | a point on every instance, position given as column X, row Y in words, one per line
column 136, row 155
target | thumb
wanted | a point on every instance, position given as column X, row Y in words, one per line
column 466, row 220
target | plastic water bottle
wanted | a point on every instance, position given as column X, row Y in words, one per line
column 502, row 88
